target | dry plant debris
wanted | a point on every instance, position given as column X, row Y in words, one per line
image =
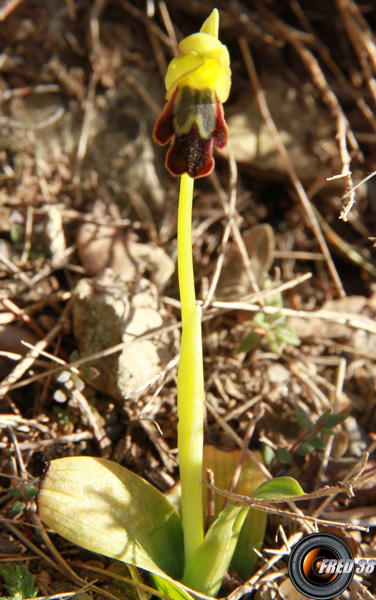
column 83, row 190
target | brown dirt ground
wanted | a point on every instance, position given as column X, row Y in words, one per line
column 83, row 187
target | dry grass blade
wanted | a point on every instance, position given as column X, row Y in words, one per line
column 116, row 577
column 51, row 120
column 91, row 416
column 289, row 167
column 353, row 320
column 229, row 205
column 28, row 361
column 345, row 487
column 7, row 8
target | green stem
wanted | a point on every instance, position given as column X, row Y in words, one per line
column 185, row 260
column 190, row 381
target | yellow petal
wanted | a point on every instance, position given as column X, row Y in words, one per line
column 179, row 67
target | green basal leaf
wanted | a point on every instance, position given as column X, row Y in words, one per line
column 172, row 589
column 252, row 534
column 222, row 463
column 279, row 487
column 107, row 509
column 207, row 567
column 304, row 420
column 249, row 342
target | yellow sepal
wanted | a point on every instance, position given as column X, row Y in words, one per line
column 211, row 25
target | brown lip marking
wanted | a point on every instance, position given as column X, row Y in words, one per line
column 164, row 128
column 41, row 482
column 191, row 152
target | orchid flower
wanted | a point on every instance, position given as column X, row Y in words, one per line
column 198, row 81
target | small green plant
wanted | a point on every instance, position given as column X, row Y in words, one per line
column 65, row 418
column 17, row 237
column 274, row 328
column 106, row 508
column 21, row 497
column 18, row 582
column 308, row 439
